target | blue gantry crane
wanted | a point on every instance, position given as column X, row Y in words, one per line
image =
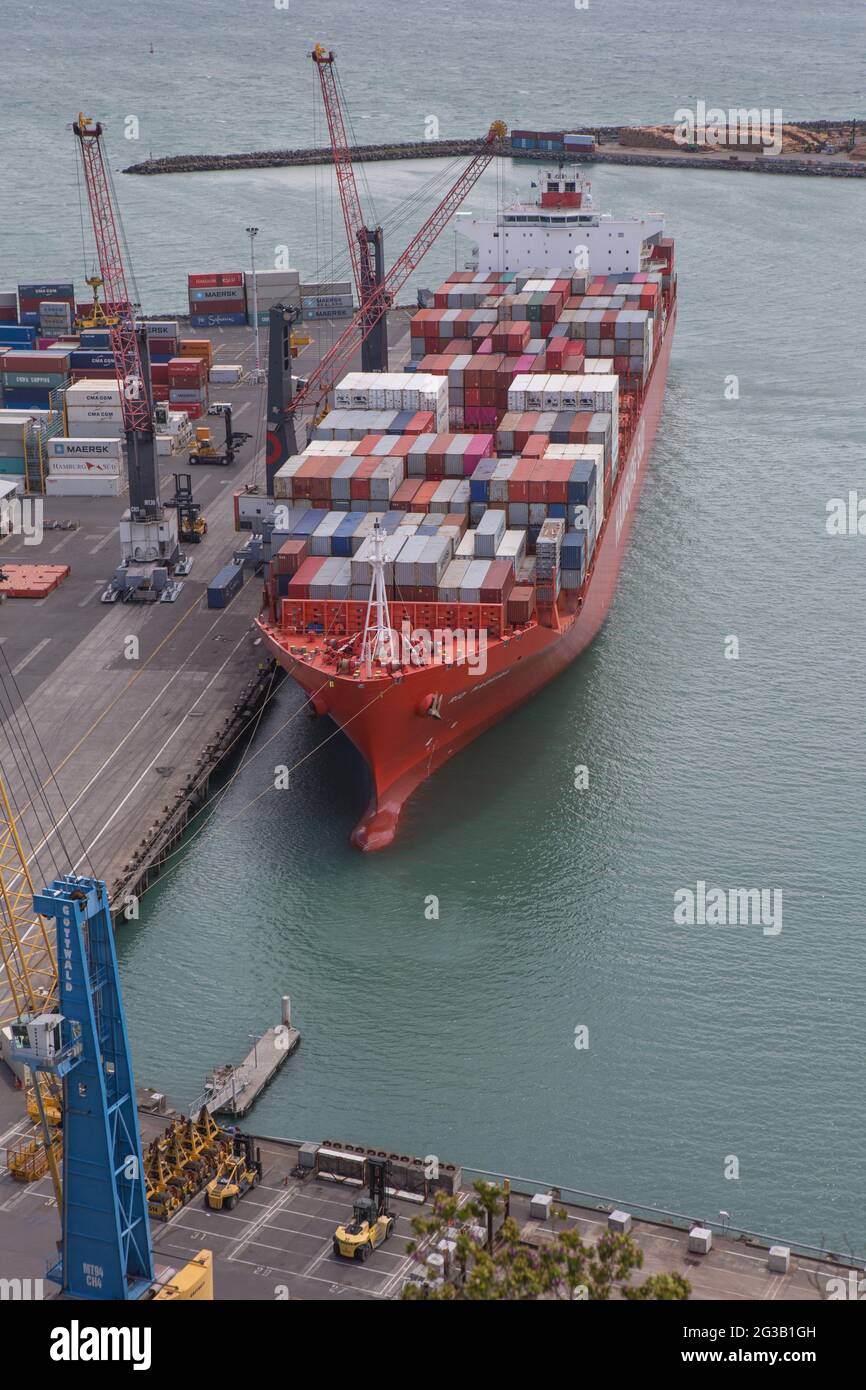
column 106, row 1250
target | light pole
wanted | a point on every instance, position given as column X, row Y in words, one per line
column 252, row 233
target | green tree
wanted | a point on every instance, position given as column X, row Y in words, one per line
column 504, row 1267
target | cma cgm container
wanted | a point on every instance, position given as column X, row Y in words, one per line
column 225, row 586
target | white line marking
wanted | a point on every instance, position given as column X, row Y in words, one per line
column 105, row 539
column 27, row 659
column 155, row 759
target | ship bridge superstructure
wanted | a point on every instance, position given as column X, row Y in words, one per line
column 561, row 228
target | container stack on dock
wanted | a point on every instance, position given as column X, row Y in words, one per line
column 327, row 301
column 58, row 388
column 29, row 377
column 81, row 467
column 94, row 411
column 275, row 287
column 217, row 300
column 56, row 298
column 188, row 377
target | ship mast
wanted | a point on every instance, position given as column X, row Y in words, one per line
column 378, row 641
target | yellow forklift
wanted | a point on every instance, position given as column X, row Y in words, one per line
column 236, row 1175
column 191, row 525
column 371, row 1223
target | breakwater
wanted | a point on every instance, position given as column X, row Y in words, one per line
column 612, row 148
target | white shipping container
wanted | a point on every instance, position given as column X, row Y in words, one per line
column 226, row 374
column 84, row 393
column 100, row 414
column 89, row 486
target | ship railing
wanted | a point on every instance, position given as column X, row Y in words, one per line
column 662, row 1216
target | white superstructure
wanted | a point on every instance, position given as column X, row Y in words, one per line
column 553, row 231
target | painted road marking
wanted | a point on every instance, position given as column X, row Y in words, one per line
column 30, row 655
column 105, row 539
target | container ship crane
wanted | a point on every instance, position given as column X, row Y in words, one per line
column 283, row 407
column 148, row 533
column 366, row 244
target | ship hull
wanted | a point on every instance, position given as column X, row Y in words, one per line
column 391, row 722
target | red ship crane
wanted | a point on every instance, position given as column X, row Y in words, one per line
column 357, row 232
column 131, row 365
column 324, row 376
column 124, row 343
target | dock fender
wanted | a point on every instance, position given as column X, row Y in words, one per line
column 431, row 706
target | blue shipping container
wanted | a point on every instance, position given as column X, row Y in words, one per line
column 28, row 396
column 216, row 320
column 47, row 289
column 16, row 333
column 225, row 586
column 100, row 361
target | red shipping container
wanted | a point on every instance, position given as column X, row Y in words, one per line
column 521, row 602
column 518, row 483
column 359, row 483
column 299, row 584
column 404, row 494
column 205, row 282
column 188, row 366
column 290, row 557
column 424, row 496
column 54, row 364
column 498, row 582
column 159, row 373
column 159, row 393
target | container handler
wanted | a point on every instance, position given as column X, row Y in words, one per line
column 205, row 449
column 371, row 1223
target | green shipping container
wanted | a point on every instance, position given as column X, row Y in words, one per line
column 38, row 379
column 12, row 465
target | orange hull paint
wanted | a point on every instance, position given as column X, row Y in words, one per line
column 386, row 719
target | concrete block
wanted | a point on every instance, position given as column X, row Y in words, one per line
column 539, row 1206
column 307, row 1155
column 700, row 1240
column 779, row 1259
column 619, row 1221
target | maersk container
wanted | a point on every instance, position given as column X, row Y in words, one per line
column 225, row 586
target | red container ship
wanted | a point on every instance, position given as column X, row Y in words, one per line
column 414, row 671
